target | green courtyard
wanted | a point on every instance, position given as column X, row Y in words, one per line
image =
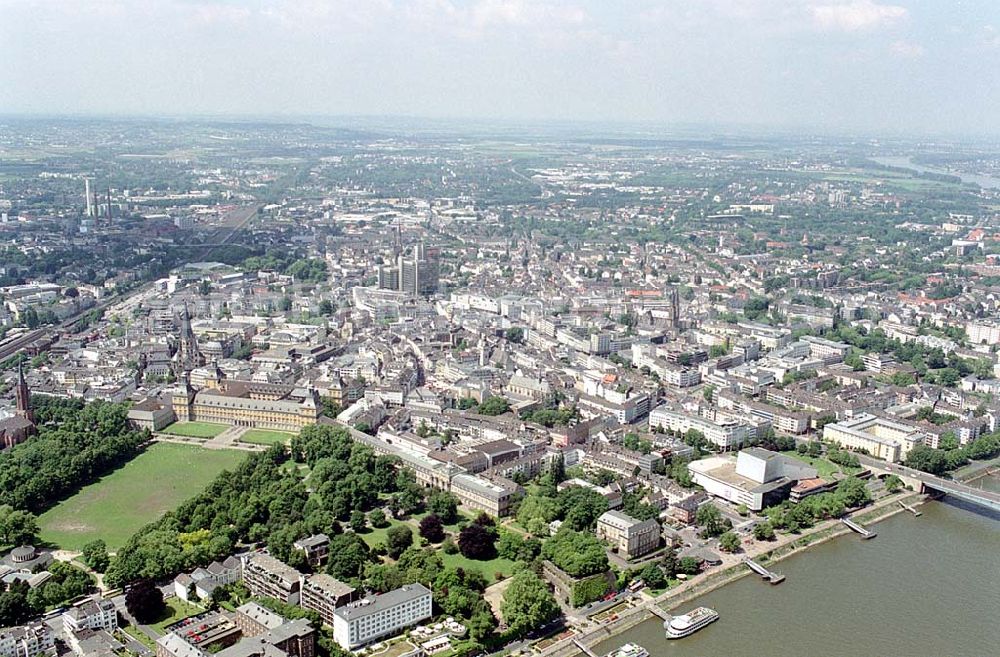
column 266, row 437
column 195, row 429
column 117, row 505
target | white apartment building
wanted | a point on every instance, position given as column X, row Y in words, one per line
column 375, row 617
column 27, row 641
column 92, row 614
column 726, row 435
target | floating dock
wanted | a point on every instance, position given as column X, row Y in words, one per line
column 865, row 533
column 773, row 578
column 909, row 508
column 584, row 649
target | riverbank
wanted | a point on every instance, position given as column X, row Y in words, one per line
column 786, row 546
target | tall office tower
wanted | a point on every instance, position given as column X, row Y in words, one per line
column 90, row 200
column 417, row 274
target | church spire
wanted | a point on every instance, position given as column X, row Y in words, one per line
column 23, row 396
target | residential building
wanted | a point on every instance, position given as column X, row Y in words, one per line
column 29, row 640
column 266, row 576
column 92, row 614
column 726, row 434
column 324, row 594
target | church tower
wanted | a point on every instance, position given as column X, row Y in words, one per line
column 23, row 396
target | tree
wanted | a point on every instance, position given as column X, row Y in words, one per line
column 95, row 555
column 377, row 519
column 444, row 505
column 17, row 527
column 763, row 531
column 729, row 542
column 144, row 600
column 527, row 604
column 358, row 521
column 926, row 459
column 893, row 483
column 688, row 566
column 581, row 507
column 853, row 492
column 579, row 554
column 652, row 576
column 397, row 539
column 477, row 542
column 494, row 406
column 710, row 518
column 432, row 528
column 348, row 556
column 515, row 334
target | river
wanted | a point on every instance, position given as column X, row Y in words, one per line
column 908, row 163
column 924, row 587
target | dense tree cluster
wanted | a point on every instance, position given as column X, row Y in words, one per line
column 264, row 502
column 75, row 445
column 850, row 493
column 577, row 553
column 939, row 461
column 527, row 604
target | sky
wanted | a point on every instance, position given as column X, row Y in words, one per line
column 892, row 66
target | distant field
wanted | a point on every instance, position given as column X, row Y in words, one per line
column 195, row 429
column 266, row 437
column 138, row 493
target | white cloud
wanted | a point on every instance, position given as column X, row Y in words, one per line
column 857, row 15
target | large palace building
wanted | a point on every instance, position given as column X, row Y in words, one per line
column 247, row 404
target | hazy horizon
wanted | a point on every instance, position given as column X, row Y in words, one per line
column 831, row 66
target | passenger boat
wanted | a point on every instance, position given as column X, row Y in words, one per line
column 629, row 650
column 689, row 623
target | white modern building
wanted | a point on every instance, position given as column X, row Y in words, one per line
column 755, row 478
column 726, row 435
column 376, row 617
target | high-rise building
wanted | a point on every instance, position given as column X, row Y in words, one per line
column 416, row 274
column 90, row 199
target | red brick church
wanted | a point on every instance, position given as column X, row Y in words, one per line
column 16, row 429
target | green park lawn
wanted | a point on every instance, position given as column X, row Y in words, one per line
column 824, row 467
column 195, row 429
column 176, row 610
column 117, row 505
column 487, row 568
column 266, row 437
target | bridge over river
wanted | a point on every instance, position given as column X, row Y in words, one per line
column 930, row 483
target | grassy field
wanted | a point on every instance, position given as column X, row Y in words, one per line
column 826, row 468
column 195, row 429
column 176, row 610
column 266, row 437
column 487, row 568
column 117, row 505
